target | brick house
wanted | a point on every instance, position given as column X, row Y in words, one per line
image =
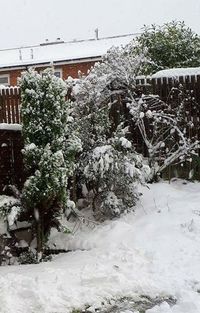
column 67, row 57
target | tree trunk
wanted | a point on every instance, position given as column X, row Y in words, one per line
column 40, row 235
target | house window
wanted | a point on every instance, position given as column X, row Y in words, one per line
column 58, row 72
column 5, row 79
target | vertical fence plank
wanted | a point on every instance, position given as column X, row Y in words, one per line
column 17, row 105
column 1, row 107
column 4, row 109
column 12, row 103
column 8, row 105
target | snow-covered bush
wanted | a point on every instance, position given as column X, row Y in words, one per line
column 10, row 209
column 108, row 164
column 50, row 148
column 170, row 45
column 114, row 173
column 28, row 257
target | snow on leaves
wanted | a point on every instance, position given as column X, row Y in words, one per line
column 50, row 145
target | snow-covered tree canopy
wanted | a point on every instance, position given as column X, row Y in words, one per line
column 108, row 164
column 101, row 89
column 170, row 45
column 108, row 98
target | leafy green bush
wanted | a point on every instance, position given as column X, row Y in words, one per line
column 170, row 45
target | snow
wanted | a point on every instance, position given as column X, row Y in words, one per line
column 3, row 228
column 10, row 89
column 14, row 127
column 66, row 51
column 12, row 216
column 154, row 251
column 176, row 72
column 6, row 200
column 102, row 159
column 125, row 143
column 31, row 146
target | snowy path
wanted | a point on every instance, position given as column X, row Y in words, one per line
column 155, row 251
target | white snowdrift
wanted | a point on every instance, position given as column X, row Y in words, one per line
column 154, row 251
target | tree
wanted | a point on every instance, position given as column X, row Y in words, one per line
column 110, row 105
column 170, row 45
column 50, row 148
column 108, row 164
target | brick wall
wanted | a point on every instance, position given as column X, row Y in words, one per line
column 72, row 69
column 14, row 74
column 67, row 70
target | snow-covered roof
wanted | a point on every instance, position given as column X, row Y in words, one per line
column 177, row 72
column 60, row 51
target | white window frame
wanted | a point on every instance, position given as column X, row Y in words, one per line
column 60, row 71
column 8, row 77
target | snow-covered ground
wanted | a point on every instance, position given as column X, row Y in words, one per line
column 154, row 251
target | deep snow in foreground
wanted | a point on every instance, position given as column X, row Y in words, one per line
column 154, row 251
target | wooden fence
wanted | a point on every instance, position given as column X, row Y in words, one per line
column 11, row 143
column 162, row 86
column 170, row 89
column 11, row 161
column 10, row 105
column 11, row 164
column 10, row 97
column 173, row 90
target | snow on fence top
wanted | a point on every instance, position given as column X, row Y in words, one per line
column 10, row 90
column 14, row 127
column 177, row 72
column 61, row 51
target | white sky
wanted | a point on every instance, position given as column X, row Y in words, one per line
column 25, row 22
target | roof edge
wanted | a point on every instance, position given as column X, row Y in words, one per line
column 50, row 63
column 70, row 41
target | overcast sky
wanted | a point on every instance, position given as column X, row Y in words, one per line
column 25, row 22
